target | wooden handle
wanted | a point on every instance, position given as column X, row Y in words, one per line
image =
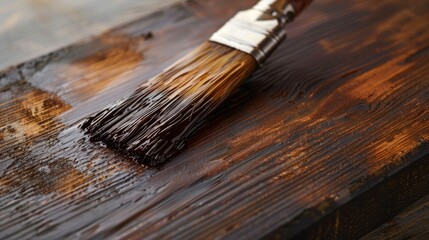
column 300, row 5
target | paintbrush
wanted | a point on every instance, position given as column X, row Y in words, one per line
column 154, row 122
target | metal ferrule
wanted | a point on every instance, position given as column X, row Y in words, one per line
column 257, row 31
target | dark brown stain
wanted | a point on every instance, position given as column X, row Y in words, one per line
column 338, row 107
column 410, row 223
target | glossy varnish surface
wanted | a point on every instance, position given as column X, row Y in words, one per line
column 339, row 108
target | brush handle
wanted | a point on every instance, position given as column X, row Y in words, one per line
column 259, row 30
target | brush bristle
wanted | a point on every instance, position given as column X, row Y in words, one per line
column 154, row 122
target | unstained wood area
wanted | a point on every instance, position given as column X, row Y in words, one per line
column 328, row 139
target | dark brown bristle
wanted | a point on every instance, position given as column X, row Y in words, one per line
column 154, row 122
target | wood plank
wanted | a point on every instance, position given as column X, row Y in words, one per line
column 335, row 120
column 30, row 28
column 411, row 223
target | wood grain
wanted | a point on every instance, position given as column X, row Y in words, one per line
column 30, row 28
column 332, row 132
column 411, row 223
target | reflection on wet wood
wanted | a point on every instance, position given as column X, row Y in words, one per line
column 331, row 130
column 29, row 28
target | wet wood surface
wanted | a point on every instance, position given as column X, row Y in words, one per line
column 30, row 28
column 411, row 223
column 328, row 139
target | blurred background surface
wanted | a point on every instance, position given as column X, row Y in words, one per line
column 30, row 28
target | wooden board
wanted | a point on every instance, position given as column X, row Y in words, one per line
column 30, row 28
column 411, row 223
column 328, row 139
